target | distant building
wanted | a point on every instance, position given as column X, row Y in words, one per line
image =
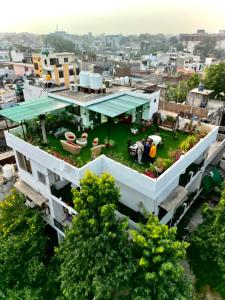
column 191, row 40
column 17, row 56
column 145, row 46
column 38, row 71
column 113, row 41
column 22, row 69
column 4, row 56
column 61, row 68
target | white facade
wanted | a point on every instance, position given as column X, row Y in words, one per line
column 17, row 56
column 138, row 192
column 4, row 56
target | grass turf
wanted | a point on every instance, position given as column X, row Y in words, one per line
column 120, row 133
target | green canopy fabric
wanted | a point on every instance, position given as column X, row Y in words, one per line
column 33, row 108
column 117, row 105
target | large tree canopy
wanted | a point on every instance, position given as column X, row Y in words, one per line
column 96, row 256
column 102, row 259
column 160, row 274
column 215, row 79
column 59, row 43
column 206, row 253
column 23, row 246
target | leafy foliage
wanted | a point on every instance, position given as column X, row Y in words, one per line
column 206, row 253
column 215, row 79
column 101, row 259
column 178, row 93
column 193, row 81
column 96, row 256
column 60, row 44
column 160, row 274
column 23, row 264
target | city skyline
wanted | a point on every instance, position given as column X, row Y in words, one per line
column 126, row 17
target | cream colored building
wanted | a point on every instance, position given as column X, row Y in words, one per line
column 60, row 67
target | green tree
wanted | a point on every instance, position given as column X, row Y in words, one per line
column 59, row 43
column 215, row 79
column 160, row 275
column 193, row 81
column 206, row 253
column 23, row 260
column 178, row 93
column 102, row 259
column 96, row 255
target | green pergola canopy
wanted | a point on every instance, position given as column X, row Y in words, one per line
column 117, row 105
column 33, row 108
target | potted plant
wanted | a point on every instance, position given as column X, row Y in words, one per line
column 159, row 165
column 151, row 172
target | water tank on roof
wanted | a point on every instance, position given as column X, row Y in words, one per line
column 126, row 80
column 95, row 81
column 121, row 80
column 84, row 79
column 7, row 171
column 201, row 87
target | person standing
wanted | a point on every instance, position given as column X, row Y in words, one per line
column 152, row 153
column 146, row 151
column 140, row 150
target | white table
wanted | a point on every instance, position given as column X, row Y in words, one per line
column 156, row 139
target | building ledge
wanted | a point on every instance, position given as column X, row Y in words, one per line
column 28, row 191
column 175, row 199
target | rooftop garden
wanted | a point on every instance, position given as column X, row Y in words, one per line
column 173, row 145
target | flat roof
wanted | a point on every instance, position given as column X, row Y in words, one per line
column 33, row 108
column 117, row 105
column 204, row 92
column 81, row 97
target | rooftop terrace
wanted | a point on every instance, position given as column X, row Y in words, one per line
column 120, row 133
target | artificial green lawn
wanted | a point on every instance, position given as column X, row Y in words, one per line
column 120, row 133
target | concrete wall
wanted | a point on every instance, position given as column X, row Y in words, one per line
column 33, row 92
column 137, row 190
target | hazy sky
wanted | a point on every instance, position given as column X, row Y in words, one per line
column 112, row 16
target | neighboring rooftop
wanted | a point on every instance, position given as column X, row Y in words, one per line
column 205, row 92
column 214, row 105
column 85, row 97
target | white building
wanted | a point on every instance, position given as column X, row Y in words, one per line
column 4, row 56
column 46, row 179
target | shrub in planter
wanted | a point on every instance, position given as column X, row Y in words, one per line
column 151, row 172
column 185, row 146
column 192, row 139
column 160, row 165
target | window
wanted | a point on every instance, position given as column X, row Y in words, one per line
column 45, row 61
column 41, row 177
column 49, row 73
column 24, row 163
column 61, row 74
column 66, row 59
column 35, row 66
column 71, row 72
column 53, row 61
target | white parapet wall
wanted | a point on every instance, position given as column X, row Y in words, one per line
column 138, row 191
